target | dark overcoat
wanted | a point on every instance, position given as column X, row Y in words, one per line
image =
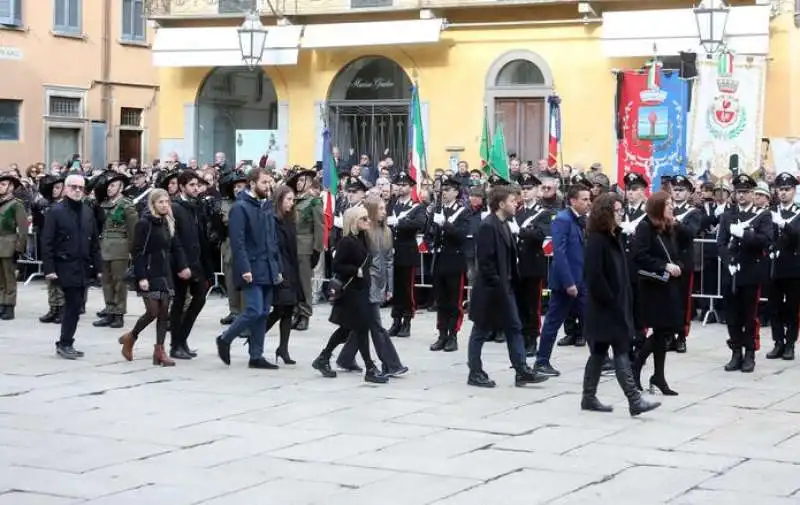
column 157, row 256
column 661, row 303
column 492, row 304
column 609, row 303
column 71, row 244
column 288, row 292
column 352, row 310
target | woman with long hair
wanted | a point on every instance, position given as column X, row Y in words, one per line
column 351, row 264
column 156, row 255
column 288, row 293
column 655, row 256
column 609, row 308
column 381, row 272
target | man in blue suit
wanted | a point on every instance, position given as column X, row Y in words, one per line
column 567, row 288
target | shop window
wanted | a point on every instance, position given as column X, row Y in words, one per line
column 11, row 12
column 9, row 119
column 520, row 73
column 67, row 17
column 133, row 25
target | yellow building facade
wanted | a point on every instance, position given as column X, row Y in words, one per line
column 502, row 61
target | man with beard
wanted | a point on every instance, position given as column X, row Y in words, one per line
column 191, row 231
column 493, row 305
column 13, row 239
column 309, row 239
column 230, row 186
column 51, row 189
column 406, row 218
column 71, row 256
column 119, row 219
column 256, row 265
column 689, row 220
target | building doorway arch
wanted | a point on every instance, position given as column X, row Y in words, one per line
column 232, row 100
column 517, row 86
column 368, row 106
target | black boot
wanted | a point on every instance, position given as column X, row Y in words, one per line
column 641, row 359
column 117, row 321
column 680, row 344
column 2, row 311
column 439, row 344
column 480, row 379
column 579, row 341
column 451, row 344
column 178, row 352
column 526, row 375
column 8, row 313
column 530, row 348
column 567, row 340
column 323, row 364
column 375, row 376
column 395, row 327
column 777, row 351
column 223, row 350
column 103, row 322
column 591, row 378
column 187, row 350
column 59, row 311
column 749, row 361
column 788, row 351
column 636, row 404
column 50, row 316
column 102, row 313
column 405, row 328
column 736, row 361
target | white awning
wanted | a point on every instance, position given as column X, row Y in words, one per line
column 378, row 33
column 219, row 47
column 633, row 33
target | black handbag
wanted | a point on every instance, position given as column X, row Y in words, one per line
column 336, row 287
column 662, row 277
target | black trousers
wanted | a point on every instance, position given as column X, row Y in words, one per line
column 741, row 312
column 74, row 298
column 784, row 303
column 341, row 335
column 403, row 302
column 529, row 305
column 182, row 318
column 449, row 297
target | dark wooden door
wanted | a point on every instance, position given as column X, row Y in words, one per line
column 523, row 121
column 130, row 145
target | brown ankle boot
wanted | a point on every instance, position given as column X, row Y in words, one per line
column 160, row 356
column 127, row 340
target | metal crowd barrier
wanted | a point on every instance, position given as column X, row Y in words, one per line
column 31, row 257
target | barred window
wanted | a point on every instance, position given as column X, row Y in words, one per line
column 130, row 117
column 65, row 106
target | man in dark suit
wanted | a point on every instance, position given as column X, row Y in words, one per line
column 567, row 290
column 493, row 305
column 71, row 257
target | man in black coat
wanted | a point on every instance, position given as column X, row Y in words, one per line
column 191, row 231
column 71, row 257
column 493, row 305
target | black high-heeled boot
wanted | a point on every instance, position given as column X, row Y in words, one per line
column 662, row 386
column 591, row 378
column 282, row 351
column 636, row 403
column 323, row 364
column 641, row 358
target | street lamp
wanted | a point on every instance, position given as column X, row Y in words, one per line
column 252, row 36
column 712, row 17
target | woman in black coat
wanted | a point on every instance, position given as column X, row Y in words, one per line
column 351, row 312
column 655, row 257
column 157, row 253
column 608, row 319
column 289, row 292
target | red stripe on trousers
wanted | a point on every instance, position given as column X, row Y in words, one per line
column 757, row 336
column 539, row 307
column 687, row 316
column 411, row 290
column 460, row 305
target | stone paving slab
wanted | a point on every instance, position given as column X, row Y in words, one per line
column 102, row 431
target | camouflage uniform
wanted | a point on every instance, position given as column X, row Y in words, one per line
column 309, row 244
column 115, row 245
column 235, row 302
column 13, row 239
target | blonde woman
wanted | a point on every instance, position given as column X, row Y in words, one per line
column 381, row 273
column 156, row 253
column 351, row 267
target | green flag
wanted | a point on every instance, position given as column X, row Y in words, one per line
column 485, row 162
column 499, row 157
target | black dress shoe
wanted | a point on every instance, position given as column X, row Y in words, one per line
column 117, row 321
column 546, row 369
column 102, row 313
column 439, row 344
column 375, row 376
column 526, row 375
column 480, row 380
column 776, row 352
column 788, row 352
column 223, row 351
column 103, row 322
column 592, row 404
column 179, row 353
column 8, row 313
column 451, row 345
column 735, row 362
column 405, row 329
column 749, row 361
column 566, row 340
column 680, row 345
column 190, row 352
column 395, row 327
column 262, row 364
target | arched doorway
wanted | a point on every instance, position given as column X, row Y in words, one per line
column 368, row 105
column 517, row 86
column 230, row 101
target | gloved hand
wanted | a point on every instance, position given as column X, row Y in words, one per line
column 314, row 259
column 391, row 220
column 514, row 227
column 719, row 210
column 439, row 219
column 337, row 221
column 628, row 228
column 484, row 214
column 402, row 215
column 732, row 269
column 737, row 230
column 778, row 220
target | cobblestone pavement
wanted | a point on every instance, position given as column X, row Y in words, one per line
column 102, row 431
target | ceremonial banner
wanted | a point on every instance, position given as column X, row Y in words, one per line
column 728, row 114
column 651, row 124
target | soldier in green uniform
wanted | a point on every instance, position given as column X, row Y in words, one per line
column 13, row 239
column 229, row 186
column 309, row 238
column 119, row 222
column 51, row 188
